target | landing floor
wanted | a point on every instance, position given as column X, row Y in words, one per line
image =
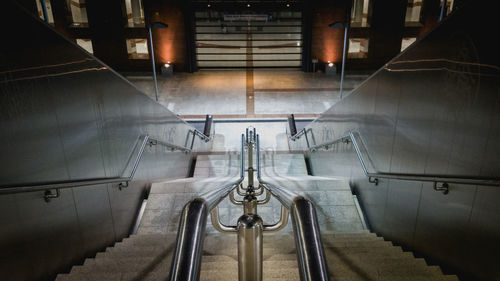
column 252, row 93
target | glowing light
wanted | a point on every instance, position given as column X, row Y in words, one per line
column 330, row 64
column 288, row 5
column 248, row 5
column 209, row 5
column 298, row 43
column 167, row 65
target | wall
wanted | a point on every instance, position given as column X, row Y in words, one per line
column 108, row 31
column 170, row 43
column 67, row 116
column 385, row 31
column 326, row 43
column 435, row 109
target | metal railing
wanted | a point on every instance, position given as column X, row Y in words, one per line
column 310, row 252
column 373, row 177
column 186, row 263
column 122, row 180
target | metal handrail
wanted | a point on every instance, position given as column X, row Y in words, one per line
column 298, row 134
column 301, row 133
column 123, row 180
column 435, row 178
column 171, row 145
column 186, row 262
column 310, row 252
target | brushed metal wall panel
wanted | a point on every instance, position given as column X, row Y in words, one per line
column 95, row 216
column 65, row 115
column 435, row 209
column 435, row 109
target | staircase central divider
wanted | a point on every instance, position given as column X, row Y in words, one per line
column 186, row 263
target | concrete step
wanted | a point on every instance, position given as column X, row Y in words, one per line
column 233, row 265
column 272, row 274
column 123, row 264
column 350, row 256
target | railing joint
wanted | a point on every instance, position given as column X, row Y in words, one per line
column 48, row 195
column 444, row 187
column 123, row 185
column 373, row 180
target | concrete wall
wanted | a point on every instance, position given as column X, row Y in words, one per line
column 66, row 116
column 432, row 110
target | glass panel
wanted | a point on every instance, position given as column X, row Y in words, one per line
column 406, row 42
column 78, row 11
column 358, row 48
column 361, row 13
column 413, row 11
column 135, row 13
column 85, row 44
column 49, row 10
column 137, row 48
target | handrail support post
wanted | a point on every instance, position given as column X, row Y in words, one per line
column 250, row 247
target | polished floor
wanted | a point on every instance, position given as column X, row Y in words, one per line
column 248, row 93
column 241, row 98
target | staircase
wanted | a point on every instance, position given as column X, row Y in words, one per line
column 352, row 252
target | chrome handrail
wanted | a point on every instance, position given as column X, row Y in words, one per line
column 170, row 145
column 186, row 262
column 373, row 177
column 123, row 180
column 301, row 133
column 310, row 252
column 199, row 134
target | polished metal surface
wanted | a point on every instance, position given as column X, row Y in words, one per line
column 233, row 200
column 310, row 252
column 250, row 247
column 266, row 199
column 31, row 187
column 186, row 263
column 250, row 204
column 311, row 256
column 433, row 110
column 283, row 221
column 249, row 144
column 187, row 254
column 186, row 260
column 66, row 117
column 218, row 225
column 373, row 177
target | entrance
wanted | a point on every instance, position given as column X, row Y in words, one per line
column 225, row 40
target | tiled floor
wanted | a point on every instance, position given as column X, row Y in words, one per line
column 228, row 135
column 252, row 93
column 248, row 94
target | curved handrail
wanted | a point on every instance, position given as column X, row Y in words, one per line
column 123, row 180
column 310, row 252
column 186, row 262
column 435, row 178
